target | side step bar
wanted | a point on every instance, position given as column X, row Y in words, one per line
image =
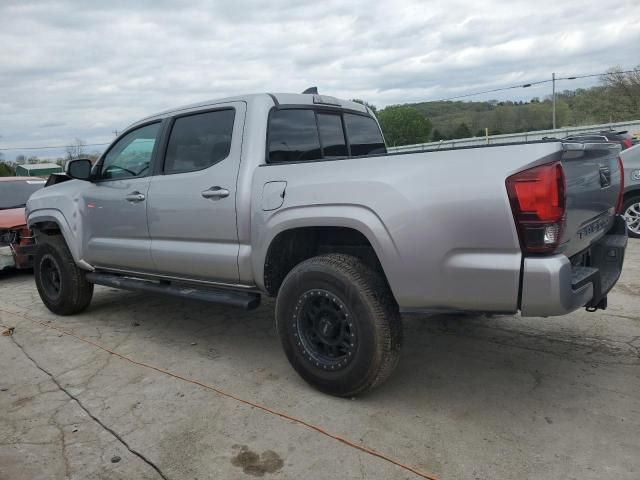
column 245, row 300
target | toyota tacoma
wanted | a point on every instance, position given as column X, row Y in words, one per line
column 295, row 196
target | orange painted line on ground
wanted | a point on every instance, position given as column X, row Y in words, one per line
column 271, row 411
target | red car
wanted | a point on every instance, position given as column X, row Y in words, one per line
column 16, row 241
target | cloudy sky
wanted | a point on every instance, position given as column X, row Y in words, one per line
column 86, row 68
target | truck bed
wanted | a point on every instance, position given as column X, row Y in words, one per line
column 440, row 220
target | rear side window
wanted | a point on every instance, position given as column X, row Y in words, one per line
column 332, row 135
column 293, row 136
column 364, row 135
column 199, row 141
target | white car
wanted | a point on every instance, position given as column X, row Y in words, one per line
column 631, row 161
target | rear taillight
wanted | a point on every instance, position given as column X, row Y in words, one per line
column 620, row 205
column 538, row 202
column 627, row 143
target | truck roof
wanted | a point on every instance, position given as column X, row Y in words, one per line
column 276, row 98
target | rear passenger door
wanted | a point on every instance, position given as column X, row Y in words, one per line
column 192, row 199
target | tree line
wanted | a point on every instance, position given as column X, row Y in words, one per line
column 77, row 149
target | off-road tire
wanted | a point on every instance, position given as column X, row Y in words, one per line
column 376, row 327
column 73, row 293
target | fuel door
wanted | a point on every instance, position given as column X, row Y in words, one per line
column 273, row 195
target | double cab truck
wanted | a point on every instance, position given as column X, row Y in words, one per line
column 294, row 196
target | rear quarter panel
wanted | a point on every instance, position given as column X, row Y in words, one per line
column 440, row 222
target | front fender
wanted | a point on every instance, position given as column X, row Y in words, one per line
column 71, row 235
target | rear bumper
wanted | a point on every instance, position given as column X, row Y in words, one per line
column 554, row 286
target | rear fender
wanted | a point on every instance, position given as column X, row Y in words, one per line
column 356, row 217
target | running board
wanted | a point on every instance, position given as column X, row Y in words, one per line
column 245, row 300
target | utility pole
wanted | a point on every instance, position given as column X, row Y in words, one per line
column 553, row 81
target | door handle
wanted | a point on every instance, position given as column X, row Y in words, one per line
column 135, row 197
column 215, row 193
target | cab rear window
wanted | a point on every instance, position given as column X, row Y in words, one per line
column 299, row 134
column 364, row 135
column 334, row 143
column 293, row 136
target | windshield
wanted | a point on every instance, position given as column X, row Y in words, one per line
column 16, row 193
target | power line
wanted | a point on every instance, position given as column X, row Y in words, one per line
column 55, row 146
column 595, row 75
column 526, row 85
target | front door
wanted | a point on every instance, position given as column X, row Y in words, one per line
column 116, row 233
column 192, row 202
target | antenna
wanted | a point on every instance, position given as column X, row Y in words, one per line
column 311, row 90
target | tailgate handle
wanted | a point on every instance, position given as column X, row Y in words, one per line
column 605, row 177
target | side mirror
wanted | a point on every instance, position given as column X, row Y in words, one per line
column 80, row 169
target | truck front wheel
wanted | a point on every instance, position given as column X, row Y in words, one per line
column 339, row 324
column 62, row 286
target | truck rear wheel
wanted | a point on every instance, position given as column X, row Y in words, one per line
column 62, row 286
column 339, row 324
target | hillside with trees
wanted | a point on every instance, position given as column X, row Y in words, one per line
column 615, row 99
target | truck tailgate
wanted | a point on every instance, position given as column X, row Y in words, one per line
column 593, row 181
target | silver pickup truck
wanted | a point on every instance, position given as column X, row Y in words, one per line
column 294, row 196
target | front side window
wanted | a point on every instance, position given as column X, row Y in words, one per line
column 293, row 136
column 199, row 141
column 131, row 155
column 364, row 135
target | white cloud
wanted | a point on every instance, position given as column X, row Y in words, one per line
column 83, row 69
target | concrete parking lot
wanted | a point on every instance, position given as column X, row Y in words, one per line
column 474, row 397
